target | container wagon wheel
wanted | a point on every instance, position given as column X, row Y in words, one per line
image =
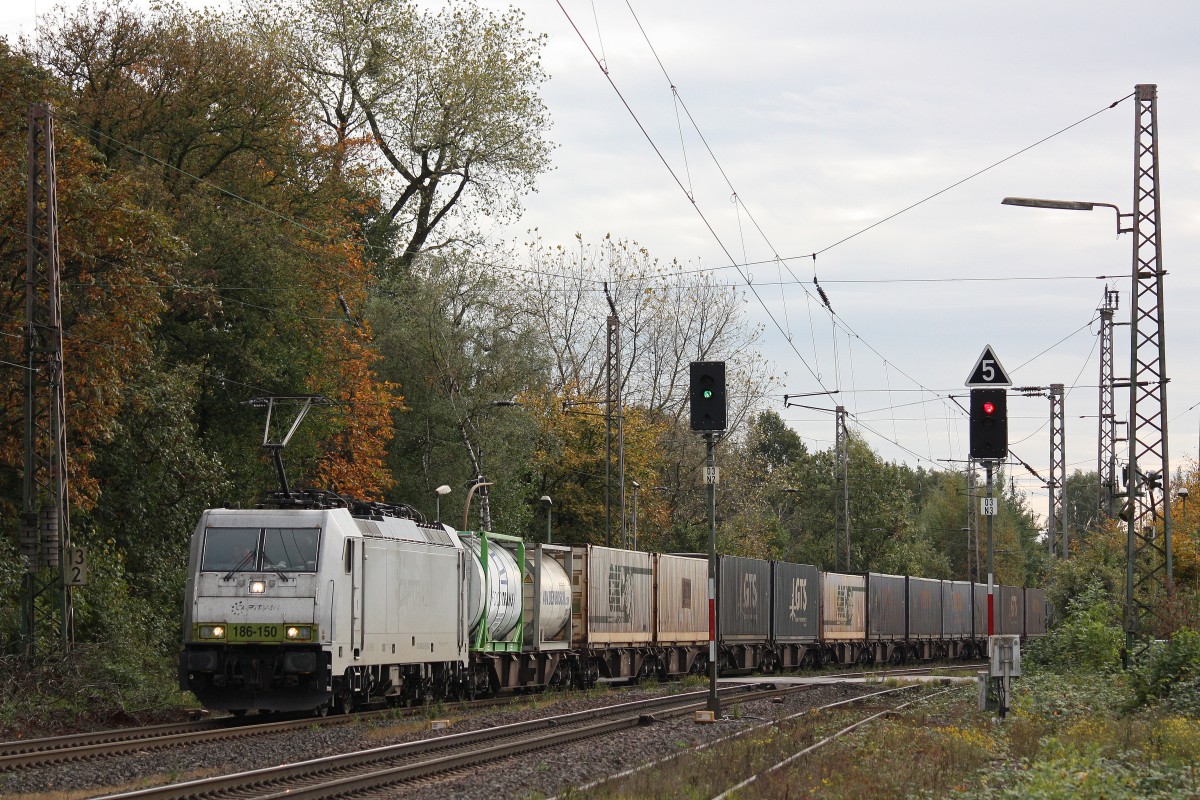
column 590, row 674
column 561, row 676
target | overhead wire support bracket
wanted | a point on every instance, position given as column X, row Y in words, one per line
column 787, row 399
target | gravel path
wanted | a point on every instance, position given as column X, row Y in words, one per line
column 518, row 777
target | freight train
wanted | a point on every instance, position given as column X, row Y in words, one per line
column 325, row 603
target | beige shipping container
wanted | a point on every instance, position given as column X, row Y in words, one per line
column 843, row 607
column 680, row 600
column 612, row 596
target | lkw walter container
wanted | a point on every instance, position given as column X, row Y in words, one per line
column 886, row 601
column 924, row 608
column 843, row 607
column 796, row 609
column 615, row 596
column 744, row 599
column 957, row 610
column 681, row 600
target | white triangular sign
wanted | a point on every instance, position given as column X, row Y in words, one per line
column 987, row 371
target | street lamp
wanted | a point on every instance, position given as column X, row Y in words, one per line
column 1182, row 494
column 549, row 504
column 437, row 497
column 1066, row 205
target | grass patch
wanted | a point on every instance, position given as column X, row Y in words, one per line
column 1066, row 736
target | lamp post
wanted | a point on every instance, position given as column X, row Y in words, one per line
column 437, row 498
column 1182, row 494
column 549, row 504
column 1147, row 375
column 1066, row 205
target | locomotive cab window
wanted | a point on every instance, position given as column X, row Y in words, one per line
column 230, row 550
column 290, row 549
column 258, row 549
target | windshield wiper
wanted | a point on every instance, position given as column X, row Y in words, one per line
column 240, row 564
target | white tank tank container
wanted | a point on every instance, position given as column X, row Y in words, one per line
column 554, row 595
column 501, row 578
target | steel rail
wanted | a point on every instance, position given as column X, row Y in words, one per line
column 539, row 733
column 34, row 753
column 744, row 731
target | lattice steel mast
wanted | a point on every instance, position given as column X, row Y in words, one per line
column 1056, row 523
column 842, row 480
column 45, row 518
column 1106, row 452
column 614, row 420
column 1149, row 571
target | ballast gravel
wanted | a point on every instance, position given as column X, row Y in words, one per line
column 537, row 775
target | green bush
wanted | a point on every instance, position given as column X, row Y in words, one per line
column 1087, row 637
column 1165, row 666
column 97, row 685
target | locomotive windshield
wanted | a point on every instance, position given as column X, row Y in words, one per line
column 256, row 549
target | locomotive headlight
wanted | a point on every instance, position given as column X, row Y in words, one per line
column 258, row 587
column 212, row 632
column 299, row 632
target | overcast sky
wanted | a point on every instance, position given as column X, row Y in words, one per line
column 828, row 118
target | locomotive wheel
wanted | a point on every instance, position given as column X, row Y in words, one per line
column 237, row 712
column 342, row 703
column 321, row 710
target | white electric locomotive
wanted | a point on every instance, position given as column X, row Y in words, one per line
column 317, row 608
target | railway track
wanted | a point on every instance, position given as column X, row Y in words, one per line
column 367, row 770
column 730, row 792
column 617, row 783
column 36, row 753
